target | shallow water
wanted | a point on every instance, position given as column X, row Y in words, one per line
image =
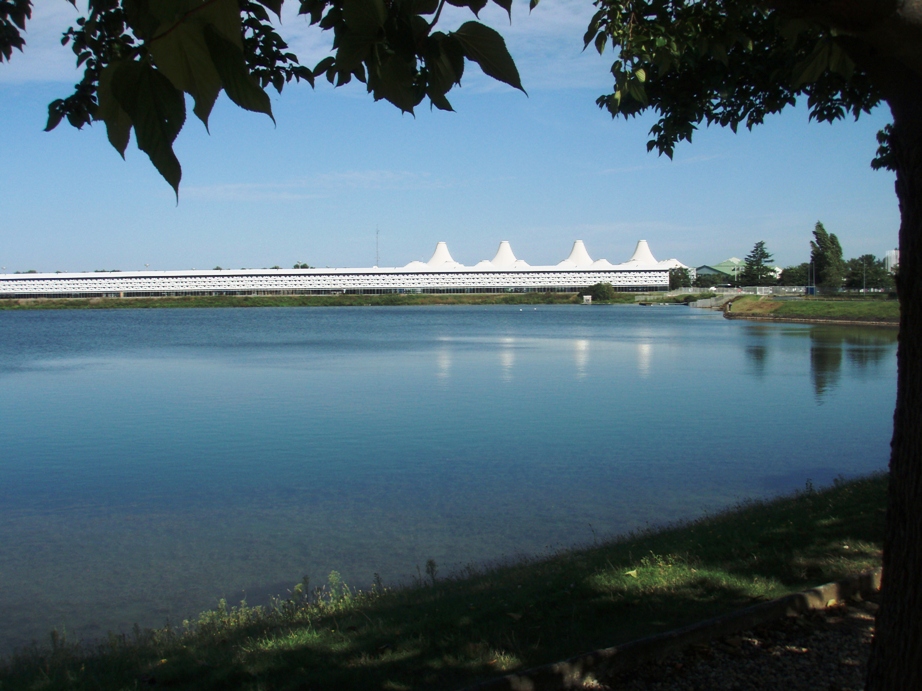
column 153, row 461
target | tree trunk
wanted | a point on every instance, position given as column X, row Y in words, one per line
column 896, row 655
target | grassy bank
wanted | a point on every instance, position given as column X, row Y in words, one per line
column 868, row 310
column 451, row 632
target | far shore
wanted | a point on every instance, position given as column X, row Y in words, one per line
column 870, row 311
column 340, row 300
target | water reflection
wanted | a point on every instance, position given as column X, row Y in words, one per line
column 644, row 351
column 443, row 364
column 581, row 356
column 507, row 358
column 757, row 355
column 864, row 350
column 825, row 366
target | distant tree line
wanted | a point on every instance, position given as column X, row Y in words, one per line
column 827, row 269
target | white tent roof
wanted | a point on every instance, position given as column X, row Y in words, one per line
column 642, row 254
column 504, row 256
column 441, row 258
column 579, row 257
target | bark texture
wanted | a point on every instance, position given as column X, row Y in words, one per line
column 896, row 656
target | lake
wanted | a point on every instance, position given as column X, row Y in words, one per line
column 154, row 461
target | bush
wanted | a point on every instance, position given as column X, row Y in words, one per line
column 600, row 292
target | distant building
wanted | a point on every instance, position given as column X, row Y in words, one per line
column 892, row 260
column 441, row 274
column 731, row 268
column 707, row 270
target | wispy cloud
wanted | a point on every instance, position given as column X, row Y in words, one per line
column 318, row 186
column 44, row 59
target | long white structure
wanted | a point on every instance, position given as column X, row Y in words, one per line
column 441, row 274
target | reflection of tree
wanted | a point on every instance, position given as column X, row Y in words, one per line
column 869, row 349
column 757, row 355
column 825, row 366
column 863, row 348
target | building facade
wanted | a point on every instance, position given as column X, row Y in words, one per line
column 441, row 274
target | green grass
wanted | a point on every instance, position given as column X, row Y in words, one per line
column 872, row 310
column 452, row 632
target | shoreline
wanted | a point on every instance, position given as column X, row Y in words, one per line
column 515, row 618
column 843, row 312
column 810, row 320
column 343, row 300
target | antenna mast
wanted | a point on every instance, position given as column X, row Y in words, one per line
column 376, row 245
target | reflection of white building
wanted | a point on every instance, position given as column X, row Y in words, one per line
column 441, row 274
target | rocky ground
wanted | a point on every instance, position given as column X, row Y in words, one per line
column 824, row 650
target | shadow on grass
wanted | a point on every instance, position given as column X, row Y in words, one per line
column 448, row 633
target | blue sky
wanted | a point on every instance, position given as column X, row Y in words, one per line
column 539, row 171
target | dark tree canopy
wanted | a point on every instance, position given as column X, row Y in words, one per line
column 867, row 272
column 826, row 257
column 140, row 58
column 757, row 270
column 679, row 278
column 798, row 275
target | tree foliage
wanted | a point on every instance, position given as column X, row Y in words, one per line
column 867, row 272
column 141, row 57
column 798, row 275
column 679, row 278
column 722, row 62
column 756, row 267
column 600, row 292
column 711, row 280
column 826, row 256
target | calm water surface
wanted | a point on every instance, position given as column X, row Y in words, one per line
column 153, row 461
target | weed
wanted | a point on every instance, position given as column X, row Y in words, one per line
column 451, row 632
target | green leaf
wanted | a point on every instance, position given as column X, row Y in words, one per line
column 473, row 5
column 425, row 6
column 810, row 69
column 487, row 48
column 182, row 55
column 158, row 111
column 364, row 16
column 352, row 48
column 274, row 5
column 451, row 48
column 223, row 15
column 396, row 84
column 438, row 100
column 117, row 121
column 241, row 88
column 442, row 75
column 55, row 114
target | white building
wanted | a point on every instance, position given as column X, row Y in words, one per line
column 892, row 260
column 441, row 274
